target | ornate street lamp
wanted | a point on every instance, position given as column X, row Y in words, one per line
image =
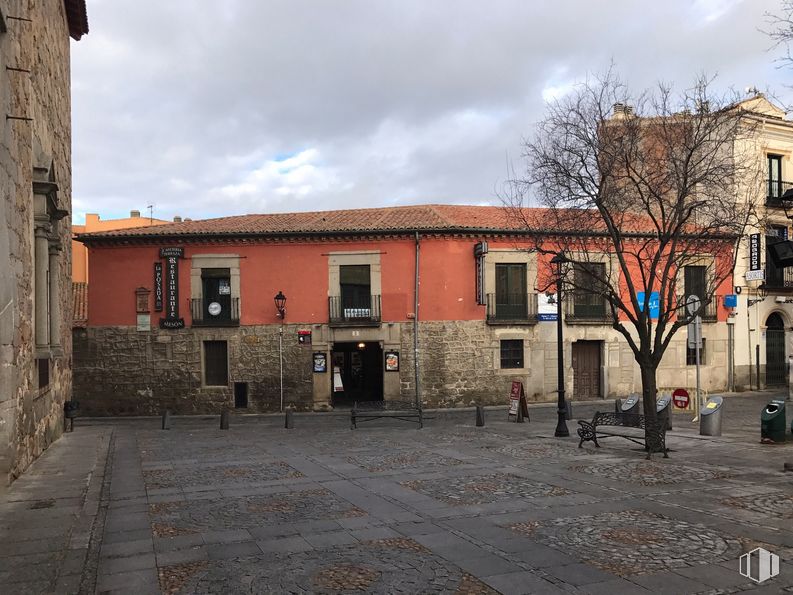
column 280, row 304
column 561, row 424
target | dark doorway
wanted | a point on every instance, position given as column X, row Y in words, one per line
column 216, row 290
column 361, row 368
column 240, row 395
column 775, row 365
column 586, row 370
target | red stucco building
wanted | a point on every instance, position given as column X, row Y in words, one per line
column 182, row 316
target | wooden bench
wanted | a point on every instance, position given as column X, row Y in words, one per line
column 650, row 435
column 369, row 410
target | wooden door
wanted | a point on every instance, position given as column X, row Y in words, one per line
column 586, row 370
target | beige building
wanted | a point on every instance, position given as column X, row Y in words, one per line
column 762, row 321
column 35, row 247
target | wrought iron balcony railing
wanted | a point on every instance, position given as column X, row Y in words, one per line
column 362, row 311
column 586, row 308
column 774, row 191
column 778, row 278
column 206, row 312
column 708, row 313
column 512, row 308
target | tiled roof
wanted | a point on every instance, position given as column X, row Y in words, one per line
column 80, row 305
column 77, row 15
column 422, row 218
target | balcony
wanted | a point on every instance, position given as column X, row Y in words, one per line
column 708, row 313
column 362, row 311
column 513, row 308
column 586, row 308
column 778, row 280
column 201, row 311
column 774, row 191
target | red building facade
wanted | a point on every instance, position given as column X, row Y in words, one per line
column 182, row 316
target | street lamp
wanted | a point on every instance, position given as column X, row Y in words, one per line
column 280, row 305
column 561, row 424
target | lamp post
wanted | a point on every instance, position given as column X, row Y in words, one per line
column 561, row 424
column 280, row 306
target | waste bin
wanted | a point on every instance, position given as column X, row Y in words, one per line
column 631, row 405
column 710, row 417
column 772, row 422
column 663, row 410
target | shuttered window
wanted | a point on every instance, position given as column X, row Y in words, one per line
column 216, row 363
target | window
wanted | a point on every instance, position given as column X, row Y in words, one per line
column 774, row 276
column 511, row 298
column 691, row 355
column 512, row 353
column 694, row 281
column 43, row 365
column 775, row 176
column 587, row 299
column 216, row 363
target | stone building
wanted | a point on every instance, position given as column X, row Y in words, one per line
column 184, row 316
column 35, row 199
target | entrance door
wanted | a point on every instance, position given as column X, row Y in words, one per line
column 775, row 372
column 361, row 367
column 586, row 370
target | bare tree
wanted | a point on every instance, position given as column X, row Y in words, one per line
column 781, row 30
column 635, row 189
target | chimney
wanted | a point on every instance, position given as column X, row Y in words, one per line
column 134, row 213
column 187, row 219
column 177, row 219
column 622, row 110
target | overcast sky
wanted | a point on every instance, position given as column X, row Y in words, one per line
column 204, row 108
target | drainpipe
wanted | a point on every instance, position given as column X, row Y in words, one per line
column 416, row 325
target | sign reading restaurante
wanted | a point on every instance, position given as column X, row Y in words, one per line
column 171, row 256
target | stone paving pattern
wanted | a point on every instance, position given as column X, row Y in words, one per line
column 123, row 506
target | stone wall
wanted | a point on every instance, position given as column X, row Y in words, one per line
column 122, row 371
column 31, row 419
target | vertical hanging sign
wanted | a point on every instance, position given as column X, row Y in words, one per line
column 158, row 287
column 480, row 249
column 171, row 256
column 754, row 252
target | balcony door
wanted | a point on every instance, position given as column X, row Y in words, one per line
column 774, row 176
column 216, row 287
column 588, row 302
column 356, row 291
column 511, row 297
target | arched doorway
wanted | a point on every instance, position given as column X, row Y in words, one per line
column 775, row 372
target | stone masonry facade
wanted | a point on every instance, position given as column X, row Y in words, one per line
column 123, row 371
column 35, row 136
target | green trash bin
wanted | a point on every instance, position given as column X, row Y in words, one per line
column 772, row 422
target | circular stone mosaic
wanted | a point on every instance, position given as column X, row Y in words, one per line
column 385, row 566
column 633, row 541
column 482, row 489
column 218, row 475
column 250, row 511
column 532, row 449
column 776, row 504
column 413, row 459
column 650, row 473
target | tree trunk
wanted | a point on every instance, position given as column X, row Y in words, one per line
column 649, row 390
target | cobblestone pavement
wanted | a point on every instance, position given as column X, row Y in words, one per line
column 122, row 506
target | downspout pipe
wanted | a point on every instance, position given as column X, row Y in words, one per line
column 416, row 324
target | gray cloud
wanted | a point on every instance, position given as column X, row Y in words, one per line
column 205, row 109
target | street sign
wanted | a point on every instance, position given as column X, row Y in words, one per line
column 680, row 398
column 694, row 329
column 654, row 303
column 692, row 303
column 755, row 275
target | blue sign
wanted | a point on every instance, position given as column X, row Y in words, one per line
column 654, row 303
column 547, row 317
column 731, row 300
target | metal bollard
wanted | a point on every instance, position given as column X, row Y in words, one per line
column 289, row 421
column 224, row 419
column 480, row 416
column 166, row 420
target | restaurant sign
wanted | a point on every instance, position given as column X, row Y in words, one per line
column 171, row 256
